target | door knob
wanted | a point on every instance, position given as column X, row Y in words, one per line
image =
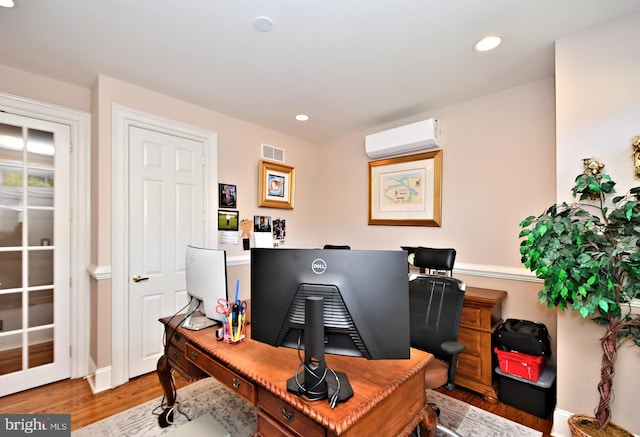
column 138, row 278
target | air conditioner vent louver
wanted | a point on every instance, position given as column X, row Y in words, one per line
column 272, row 153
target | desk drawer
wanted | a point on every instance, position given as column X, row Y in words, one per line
column 469, row 366
column 471, row 317
column 217, row 370
column 286, row 417
column 267, row 427
column 178, row 359
column 472, row 341
column 176, row 354
column 175, row 351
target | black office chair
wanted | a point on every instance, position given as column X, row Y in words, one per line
column 434, row 261
column 435, row 307
column 333, row 246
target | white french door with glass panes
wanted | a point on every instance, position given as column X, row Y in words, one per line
column 34, row 253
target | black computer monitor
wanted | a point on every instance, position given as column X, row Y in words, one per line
column 364, row 294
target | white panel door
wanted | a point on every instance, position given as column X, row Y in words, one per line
column 34, row 253
column 166, row 213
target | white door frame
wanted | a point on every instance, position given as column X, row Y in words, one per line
column 122, row 119
column 79, row 123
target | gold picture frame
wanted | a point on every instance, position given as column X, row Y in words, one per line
column 406, row 191
column 276, row 183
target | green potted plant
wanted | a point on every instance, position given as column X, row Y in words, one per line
column 588, row 254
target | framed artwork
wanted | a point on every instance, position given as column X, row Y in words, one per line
column 276, row 184
column 227, row 220
column 406, row 191
column 227, row 196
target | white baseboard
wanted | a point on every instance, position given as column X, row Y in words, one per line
column 560, row 425
column 99, row 379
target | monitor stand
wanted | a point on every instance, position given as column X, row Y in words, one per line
column 196, row 323
column 316, row 381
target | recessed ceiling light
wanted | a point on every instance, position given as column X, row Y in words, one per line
column 302, row 117
column 263, row 24
column 487, row 43
column 7, row 3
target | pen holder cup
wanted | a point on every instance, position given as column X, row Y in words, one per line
column 234, row 329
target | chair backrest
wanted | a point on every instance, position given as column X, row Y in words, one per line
column 435, row 261
column 435, row 307
column 333, row 246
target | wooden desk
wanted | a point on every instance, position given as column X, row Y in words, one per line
column 481, row 315
column 389, row 395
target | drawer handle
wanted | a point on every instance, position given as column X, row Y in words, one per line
column 176, row 354
column 236, row 383
column 287, row 415
column 194, row 355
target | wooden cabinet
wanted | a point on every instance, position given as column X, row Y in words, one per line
column 481, row 315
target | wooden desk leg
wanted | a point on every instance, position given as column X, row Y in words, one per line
column 429, row 422
column 164, row 374
column 426, row 419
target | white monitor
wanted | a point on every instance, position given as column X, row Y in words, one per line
column 206, row 275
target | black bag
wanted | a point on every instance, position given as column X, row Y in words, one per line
column 523, row 336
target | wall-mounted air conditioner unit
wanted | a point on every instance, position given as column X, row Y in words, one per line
column 403, row 140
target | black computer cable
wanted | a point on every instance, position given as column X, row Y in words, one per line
column 166, row 342
column 309, row 391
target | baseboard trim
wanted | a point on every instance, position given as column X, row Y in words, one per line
column 560, row 425
column 99, row 379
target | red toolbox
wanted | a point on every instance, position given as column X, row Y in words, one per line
column 523, row 365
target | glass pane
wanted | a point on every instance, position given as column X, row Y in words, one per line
column 11, row 144
column 40, row 191
column 40, row 308
column 10, row 270
column 10, row 354
column 10, row 228
column 40, row 347
column 11, row 186
column 40, row 227
column 40, row 268
column 40, row 148
column 11, row 311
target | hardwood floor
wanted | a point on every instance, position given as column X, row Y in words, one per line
column 74, row 397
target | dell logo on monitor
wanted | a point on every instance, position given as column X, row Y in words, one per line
column 318, row 266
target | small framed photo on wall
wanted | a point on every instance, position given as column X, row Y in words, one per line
column 227, row 220
column 227, row 196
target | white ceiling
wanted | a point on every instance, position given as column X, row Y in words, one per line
column 351, row 65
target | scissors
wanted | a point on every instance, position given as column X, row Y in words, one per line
column 224, row 307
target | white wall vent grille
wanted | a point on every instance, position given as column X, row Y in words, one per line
column 272, row 153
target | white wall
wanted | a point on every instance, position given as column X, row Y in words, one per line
column 498, row 168
column 598, row 113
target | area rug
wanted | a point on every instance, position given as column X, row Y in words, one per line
column 238, row 417
column 468, row 420
column 231, row 411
